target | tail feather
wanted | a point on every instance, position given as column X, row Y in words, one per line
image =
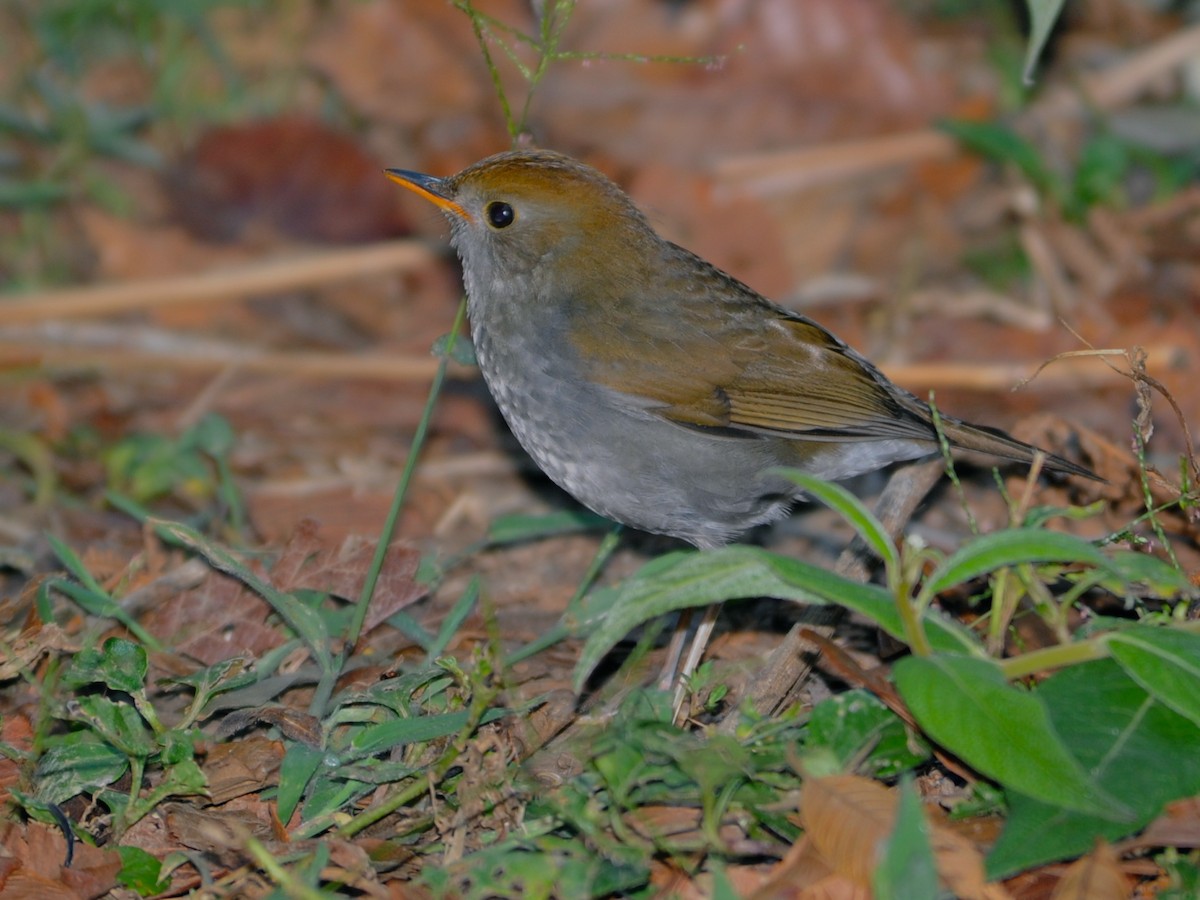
column 995, row 442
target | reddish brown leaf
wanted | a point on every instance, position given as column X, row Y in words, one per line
column 295, row 175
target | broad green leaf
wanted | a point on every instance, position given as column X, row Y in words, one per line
column 1165, row 662
column 227, row 675
column 118, row 723
column 119, row 664
column 80, row 766
column 853, row 510
column 1010, row 547
column 1139, row 750
column 967, row 706
column 907, row 870
column 687, row 579
column 177, row 746
column 1146, row 575
column 854, row 728
column 140, row 871
column 183, row 779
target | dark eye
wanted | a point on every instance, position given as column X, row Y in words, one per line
column 500, row 215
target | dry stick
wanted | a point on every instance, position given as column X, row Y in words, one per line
column 396, row 367
column 790, row 663
column 268, row 277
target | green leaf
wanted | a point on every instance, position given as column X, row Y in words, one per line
column 70, row 559
column 185, row 778
column 120, row 665
column 226, row 675
column 1005, row 733
column 513, row 529
column 1003, row 145
column 1011, row 547
column 1139, row 750
column 458, row 614
column 1131, row 571
column 853, row 510
column 118, row 723
column 30, row 193
column 98, row 603
column 907, row 870
column 177, row 746
column 212, row 434
column 1042, row 16
column 140, row 871
column 1100, row 173
column 1165, row 662
column 77, row 767
column 688, row 579
column 461, row 351
column 300, row 763
column 856, row 729
column 397, row 732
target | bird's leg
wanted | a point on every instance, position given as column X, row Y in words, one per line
column 696, row 649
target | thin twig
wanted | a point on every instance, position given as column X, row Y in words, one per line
column 266, row 277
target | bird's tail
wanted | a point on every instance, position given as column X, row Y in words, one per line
column 996, row 443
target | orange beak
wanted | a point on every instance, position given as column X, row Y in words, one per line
column 432, row 189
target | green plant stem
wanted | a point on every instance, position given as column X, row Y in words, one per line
column 291, row 886
column 1056, row 657
column 910, row 618
column 1063, row 655
column 902, row 575
column 434, row 774
column 393, row 516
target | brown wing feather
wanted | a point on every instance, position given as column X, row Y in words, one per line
column 775, row 373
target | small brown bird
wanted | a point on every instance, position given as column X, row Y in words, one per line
column 650, row 385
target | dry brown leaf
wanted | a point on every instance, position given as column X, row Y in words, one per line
column 1096, row 876
column 293, row 723
column 960, row 866
column 834, row 887
column 293, row 175
column 18, row 652
column 849, row 818
column 1177, row 826
column 216, row 621
column 39, row 852
column 241, row 767
column 307, row 562
column 220, row 831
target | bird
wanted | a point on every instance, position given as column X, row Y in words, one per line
column 653, row 387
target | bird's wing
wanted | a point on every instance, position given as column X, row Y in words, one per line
column 776, row 374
